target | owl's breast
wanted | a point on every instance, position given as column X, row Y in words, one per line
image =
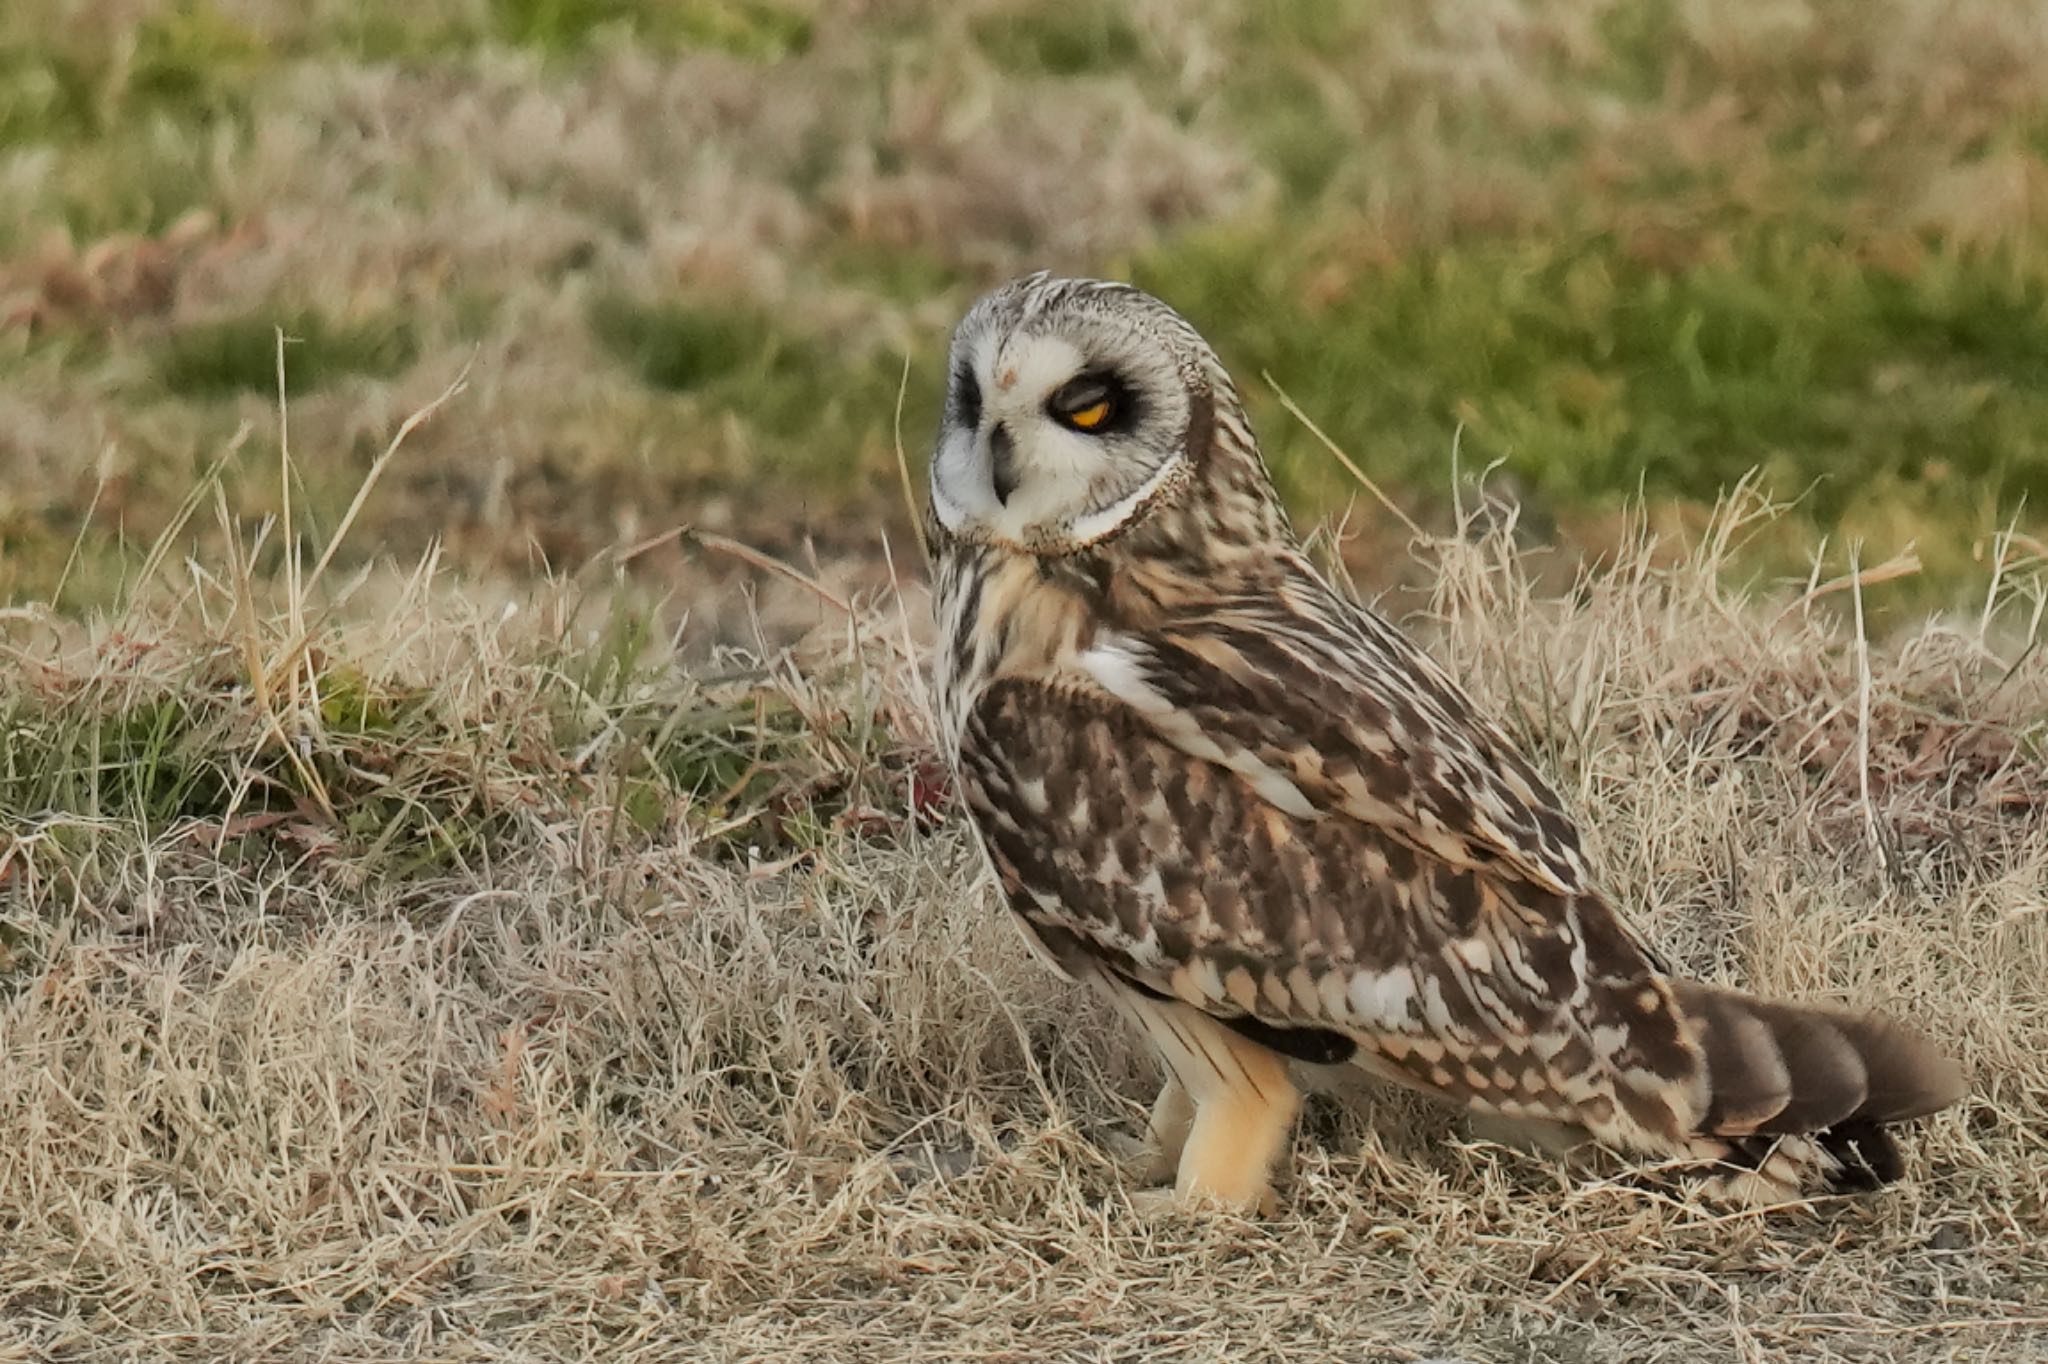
column 1000, row 614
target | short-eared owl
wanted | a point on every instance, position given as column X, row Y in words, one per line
column 1274, row 831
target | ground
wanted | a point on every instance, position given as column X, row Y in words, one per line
column 420, row 981
column 480, row 887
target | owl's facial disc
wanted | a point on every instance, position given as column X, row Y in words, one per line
column 1061, row 423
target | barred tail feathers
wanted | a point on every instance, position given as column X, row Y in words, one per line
column 1779, row 1072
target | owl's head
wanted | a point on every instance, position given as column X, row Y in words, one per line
column 1074, row 409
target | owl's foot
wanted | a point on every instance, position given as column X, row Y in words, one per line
column 1164, row 1204
column 1154, row 1158
column 1173, row 1115
column 1216, row 1156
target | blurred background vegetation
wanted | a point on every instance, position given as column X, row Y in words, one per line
column 1602, row 247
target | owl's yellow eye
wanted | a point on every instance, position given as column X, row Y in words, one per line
column 1092, row 416
column 1094, row 401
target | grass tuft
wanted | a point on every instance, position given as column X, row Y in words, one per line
column 191, row 56
column 240, row 354
column 1058, row 42
column 685, row 348
column 745, row 28
column 752, row 29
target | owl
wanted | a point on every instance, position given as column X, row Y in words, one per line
column 1276, row 833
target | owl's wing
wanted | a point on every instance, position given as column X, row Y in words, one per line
column 1339, row 702
column 1312, row 843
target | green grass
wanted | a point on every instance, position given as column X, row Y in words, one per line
column 808, row 412
column 240, row 355
column 1586, row 373
column 192, row 56
column 187, row 60
column 746, row 28
column 159, row 753
column 406, row 779
column 133, row 125
column 1058, row 42
column 684, row 349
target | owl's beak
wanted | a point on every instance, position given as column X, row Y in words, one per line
column 1002, row 460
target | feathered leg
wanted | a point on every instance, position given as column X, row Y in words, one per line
column 1239, row 1101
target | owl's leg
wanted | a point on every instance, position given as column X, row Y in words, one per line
column 1231, row 1100
column 1173, row 1113
column 1241, row 1126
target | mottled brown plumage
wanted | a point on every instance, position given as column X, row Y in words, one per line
column 1271, row 827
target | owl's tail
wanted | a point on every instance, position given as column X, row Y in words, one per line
column 1784, row 1076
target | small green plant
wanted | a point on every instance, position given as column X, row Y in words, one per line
column 557, row 26
column 240, row 354
column 42, row 96
column 193, row 57
column 686, row 348
column 803, row 409
column 745, row 28
column 1058, row 41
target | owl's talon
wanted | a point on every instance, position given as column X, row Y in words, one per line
column 1157, row 1166
column 1166, row 1132
column 1138, row 1158
column 1165, row 1204
column 1157, row 1205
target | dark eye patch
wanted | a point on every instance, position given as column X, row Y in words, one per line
column 966, row 398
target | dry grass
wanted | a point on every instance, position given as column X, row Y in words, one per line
column 422, row 998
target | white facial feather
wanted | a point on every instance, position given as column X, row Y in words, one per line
column 1071, row 487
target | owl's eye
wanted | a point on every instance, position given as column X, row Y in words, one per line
column 1092, row 416
column 1090, row 402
